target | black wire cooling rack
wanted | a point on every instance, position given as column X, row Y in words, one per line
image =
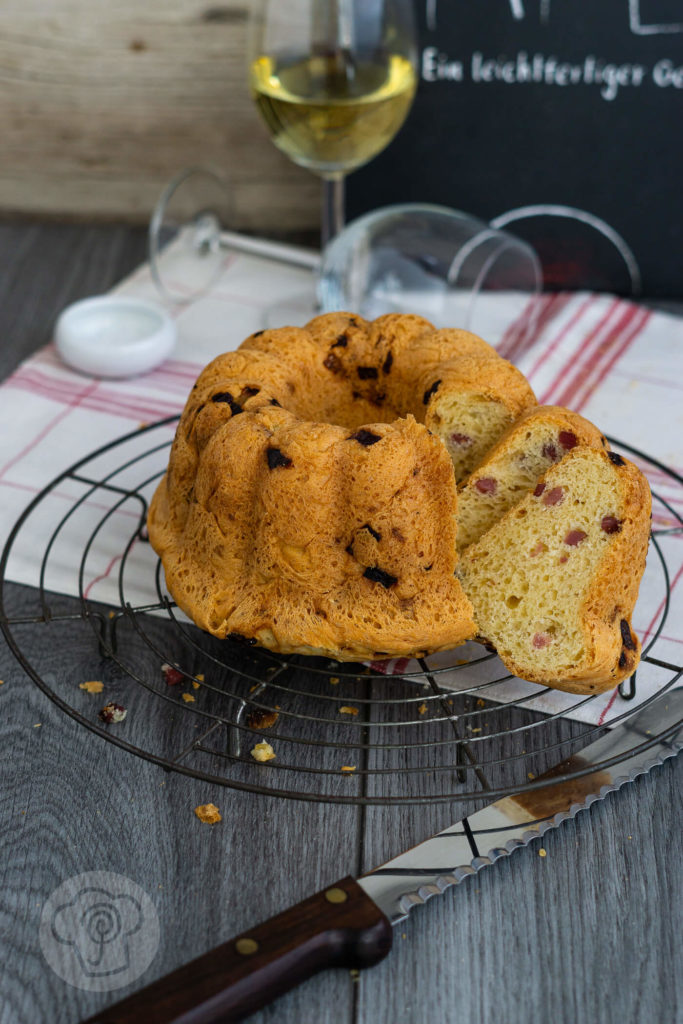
column 441, row 729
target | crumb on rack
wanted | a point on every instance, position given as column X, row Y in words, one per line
column 92, row 686
column 422, row 708
column 348, row 709
column 481, row 703
column 208, row 813
column 351, row 768
column 188, row 698
column 262, row 752
column 260, row 718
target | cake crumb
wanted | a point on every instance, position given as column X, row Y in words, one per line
column 188, row 698
column 422, row 708
column 481, row 703
column 93, row 686
column 530, row 775
column 262, row 752
column 38, row 725
column 112, row 713
column 334, row 680
column 200, row 677
column 351, row 768
column 348, row 709
column 208, row 813
column 355, row 974
column 542, row 853
column 260, row 718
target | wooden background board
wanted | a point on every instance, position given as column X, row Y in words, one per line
column 589, row 933
column 102, row 102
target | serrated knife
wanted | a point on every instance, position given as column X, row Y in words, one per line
column 349, row 924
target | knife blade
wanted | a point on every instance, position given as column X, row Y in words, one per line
column 349, row 924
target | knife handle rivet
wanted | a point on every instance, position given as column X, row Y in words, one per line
column 246, row 946
column 336, row 896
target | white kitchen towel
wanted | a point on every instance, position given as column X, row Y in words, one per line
column 618, row 363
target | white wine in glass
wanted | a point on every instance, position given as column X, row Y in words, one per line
column 333, row 81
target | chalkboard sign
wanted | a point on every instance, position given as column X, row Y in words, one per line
column 564, row 115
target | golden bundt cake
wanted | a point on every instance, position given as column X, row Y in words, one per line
column 306, row 509
column 308, row 538
column 553, row 583
column 539, row 438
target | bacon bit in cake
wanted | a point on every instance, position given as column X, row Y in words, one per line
column 486, row 485
column 365, row 437
column 95, row 686
column 373, row 533
column 538, row 490
column 555, row 496
column 367, row 372
column 422, row 708
column 348, row 768
column 208, row 814
column 610, row 524
column 341, row 342
column 575, row 537
column 348, row 709
column 276, row 459
column 549, row 451
column 567, row 439
column 541, row 640
column 112, row 713
column 386, row 366
column 462, row 440
column 172, row 676
column 262, row 752
column 562, row 559
column 259, row 718
column 627, row 638
column 332, row 363
column 380, row 576
column 430, row 391
column 616, row 459
column 538, row 549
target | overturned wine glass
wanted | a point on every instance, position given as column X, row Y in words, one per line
column 445, row 265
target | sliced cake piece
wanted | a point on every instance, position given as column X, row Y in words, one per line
column 553, row 583
column 534, row 442
column 469, row 402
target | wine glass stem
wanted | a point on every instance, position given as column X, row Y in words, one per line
column 333, row 208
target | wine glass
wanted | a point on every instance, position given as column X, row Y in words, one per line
column 333, row 81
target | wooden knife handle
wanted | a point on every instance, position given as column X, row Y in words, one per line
column 339, row 927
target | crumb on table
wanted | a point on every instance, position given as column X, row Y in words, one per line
column 208, row 813
column 92, row 686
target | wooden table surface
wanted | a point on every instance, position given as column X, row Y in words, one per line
column 588, row 933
